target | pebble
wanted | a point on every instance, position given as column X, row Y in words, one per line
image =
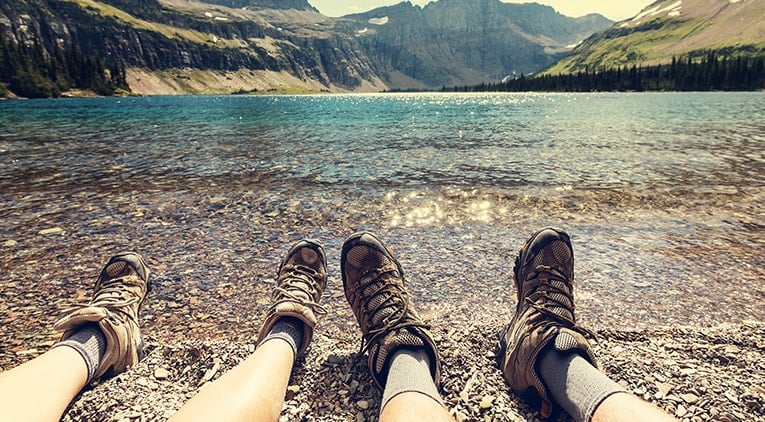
column 10, row 242
column 486, row 402
column 664, row 388
column 334, row 359
column 161, row 373
column 211, row 373
column 681, row 411
column 291, row 391
column 689, row 398
column 363, row 404
column 731, row 395
column 53, row 231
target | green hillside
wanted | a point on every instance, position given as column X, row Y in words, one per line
column 670, row 29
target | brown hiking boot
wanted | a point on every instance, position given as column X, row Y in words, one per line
column 119, row 292
column 376, row 290
column 300, row 281
column 544, row 316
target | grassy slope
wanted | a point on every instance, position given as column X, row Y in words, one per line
column 656, row 41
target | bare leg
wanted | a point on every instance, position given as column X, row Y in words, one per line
column 545, row 350
column 413, row 406
column 41, row 389
column 253, row 391
column 626, row 407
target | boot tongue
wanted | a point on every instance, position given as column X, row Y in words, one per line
column 117, row 269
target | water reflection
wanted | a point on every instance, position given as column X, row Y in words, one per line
column 653, row 194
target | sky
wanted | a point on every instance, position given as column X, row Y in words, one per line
column 613, row 9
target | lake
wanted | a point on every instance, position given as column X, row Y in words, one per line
column 662, row 194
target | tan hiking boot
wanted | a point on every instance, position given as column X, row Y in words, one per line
column 376, row 290
column 544, row 316
column 300, row 282
column 119, row 292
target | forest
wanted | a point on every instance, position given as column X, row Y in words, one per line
column 713, row 71
column 32, row 72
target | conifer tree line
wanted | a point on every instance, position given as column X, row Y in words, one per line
column 34, row 72
column 712, row 72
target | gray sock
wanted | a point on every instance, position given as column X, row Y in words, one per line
column 409, row 371
column 289, row 330
column 575, row 385
column 89, row 341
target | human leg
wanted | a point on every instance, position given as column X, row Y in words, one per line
column 542, row 351
column 53, row 379
column 403, row 358
column 255, row 389
column 100, row 339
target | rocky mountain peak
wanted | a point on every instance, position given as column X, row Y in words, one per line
column 264, row 4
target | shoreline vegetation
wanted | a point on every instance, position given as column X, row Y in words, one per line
column 32, row 73
column 711, row 72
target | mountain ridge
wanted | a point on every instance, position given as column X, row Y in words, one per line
column 218, row 46
column 673, row 28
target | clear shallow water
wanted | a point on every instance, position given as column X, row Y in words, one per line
column 662, row 192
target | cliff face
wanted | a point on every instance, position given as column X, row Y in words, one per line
column 153, row 36
column 453, row 42
column 449, row 42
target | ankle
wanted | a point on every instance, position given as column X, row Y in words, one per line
column 288, row 329
column 410, row 371
column 89, row 341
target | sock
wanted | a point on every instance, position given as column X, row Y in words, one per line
column 288, row 329
column 409, row 371
column 89, row 341
column 576, row 385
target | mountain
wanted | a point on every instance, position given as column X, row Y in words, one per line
column 454, row 42
column 673, row 28
column 221, row 46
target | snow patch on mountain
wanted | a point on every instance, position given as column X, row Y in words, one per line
column 672, row 10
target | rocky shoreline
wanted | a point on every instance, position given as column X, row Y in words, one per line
column 696, row 374
column 202, row 316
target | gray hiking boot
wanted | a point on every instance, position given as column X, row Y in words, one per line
column 544, row 317
column 119, row 292
column 300, row 282
column 376, row 290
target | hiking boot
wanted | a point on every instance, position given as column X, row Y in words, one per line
column 544, row 316
column 119, row 292
column 300, row 281
column 376, row 290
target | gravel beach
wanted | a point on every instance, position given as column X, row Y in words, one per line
column 699, row 356
column 196, row 331
column 662, row 195
column 694, row 374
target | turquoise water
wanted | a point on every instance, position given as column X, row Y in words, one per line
column 639, row 141
column 662, row 192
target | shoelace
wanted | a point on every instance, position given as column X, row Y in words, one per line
column 306, row 284
column 113, row 297
column 559, row 286
column 393, row 294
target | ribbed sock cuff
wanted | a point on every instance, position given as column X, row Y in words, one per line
column 89, row 341
column 575, row 385
column 289, row 330
column 409, row 372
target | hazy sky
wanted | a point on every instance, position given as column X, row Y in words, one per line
column 612, row 9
